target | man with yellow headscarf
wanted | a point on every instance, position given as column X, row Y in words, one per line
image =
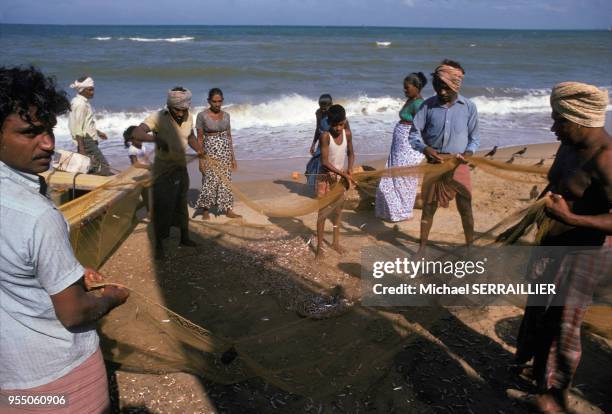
column 579, row 202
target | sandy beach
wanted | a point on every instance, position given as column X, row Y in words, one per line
column 245, row 276
column 245, row 320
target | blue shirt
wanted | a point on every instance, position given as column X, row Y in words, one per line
column 36, row 261
column 452, row 130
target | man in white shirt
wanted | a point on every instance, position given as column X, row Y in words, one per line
column 83, row 126
column 48, row 339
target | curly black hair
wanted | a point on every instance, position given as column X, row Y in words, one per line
column 127, row 135
column 22, row 88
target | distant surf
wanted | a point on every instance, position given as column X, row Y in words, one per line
column 272, row 76
column 280, row 127
column 169, row 39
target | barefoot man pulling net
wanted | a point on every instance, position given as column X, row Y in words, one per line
column 578, row 201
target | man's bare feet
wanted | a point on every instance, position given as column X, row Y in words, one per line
column 547, row 403
column 320, row 253
column 421, row 253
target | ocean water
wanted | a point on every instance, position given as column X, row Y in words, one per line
column 272, row 76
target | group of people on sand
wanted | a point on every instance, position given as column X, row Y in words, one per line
column 171, row 129
column 444, row 125
column 49, row 302
column 213, row 144
column 578, row 199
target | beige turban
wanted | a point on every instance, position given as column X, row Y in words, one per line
column 580, row 103
column 80, row 86
column 179, row 99
column 451, row 76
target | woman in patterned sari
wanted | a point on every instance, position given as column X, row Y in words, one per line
column 215, row 139
column 395, row 196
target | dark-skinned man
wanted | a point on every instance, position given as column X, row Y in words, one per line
column 446, row 125
column 575, row 253
column 172, row 131
column 48, row 340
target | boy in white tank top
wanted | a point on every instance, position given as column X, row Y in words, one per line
column 336, row 147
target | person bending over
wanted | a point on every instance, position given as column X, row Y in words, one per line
column 336, row 147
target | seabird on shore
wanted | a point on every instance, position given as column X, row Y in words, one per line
column 492, row 152
column 520, row 153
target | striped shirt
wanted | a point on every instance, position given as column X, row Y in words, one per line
column 36, row 261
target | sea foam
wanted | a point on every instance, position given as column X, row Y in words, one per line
column 295, row 109
column 168, row 39
column 280, row 127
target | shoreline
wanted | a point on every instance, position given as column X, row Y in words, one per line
column 251, row 170
column 274, row 169
column 258, row 180
column 273, row 186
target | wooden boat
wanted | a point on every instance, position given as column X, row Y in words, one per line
column 103, row 215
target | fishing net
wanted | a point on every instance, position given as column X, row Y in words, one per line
column 310, row 353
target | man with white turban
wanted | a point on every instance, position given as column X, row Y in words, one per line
column 447, row 123
column 579, row 202
column 172, row 131
column 82, row 126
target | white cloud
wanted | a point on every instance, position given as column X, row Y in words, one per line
column 408, row 3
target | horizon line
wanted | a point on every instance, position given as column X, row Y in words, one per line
column 302, row 25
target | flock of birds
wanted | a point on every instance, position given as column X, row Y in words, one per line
column 519, row 153
column 534, row 193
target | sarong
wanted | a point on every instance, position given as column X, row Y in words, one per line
column 325, row 182
column 85, row 388
column 217, row 178
column 169, row 198
column 395, row 196
column 443, row 189
column 99, row 164
column 551, row 334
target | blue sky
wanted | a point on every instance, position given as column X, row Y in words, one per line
column 513, row 14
